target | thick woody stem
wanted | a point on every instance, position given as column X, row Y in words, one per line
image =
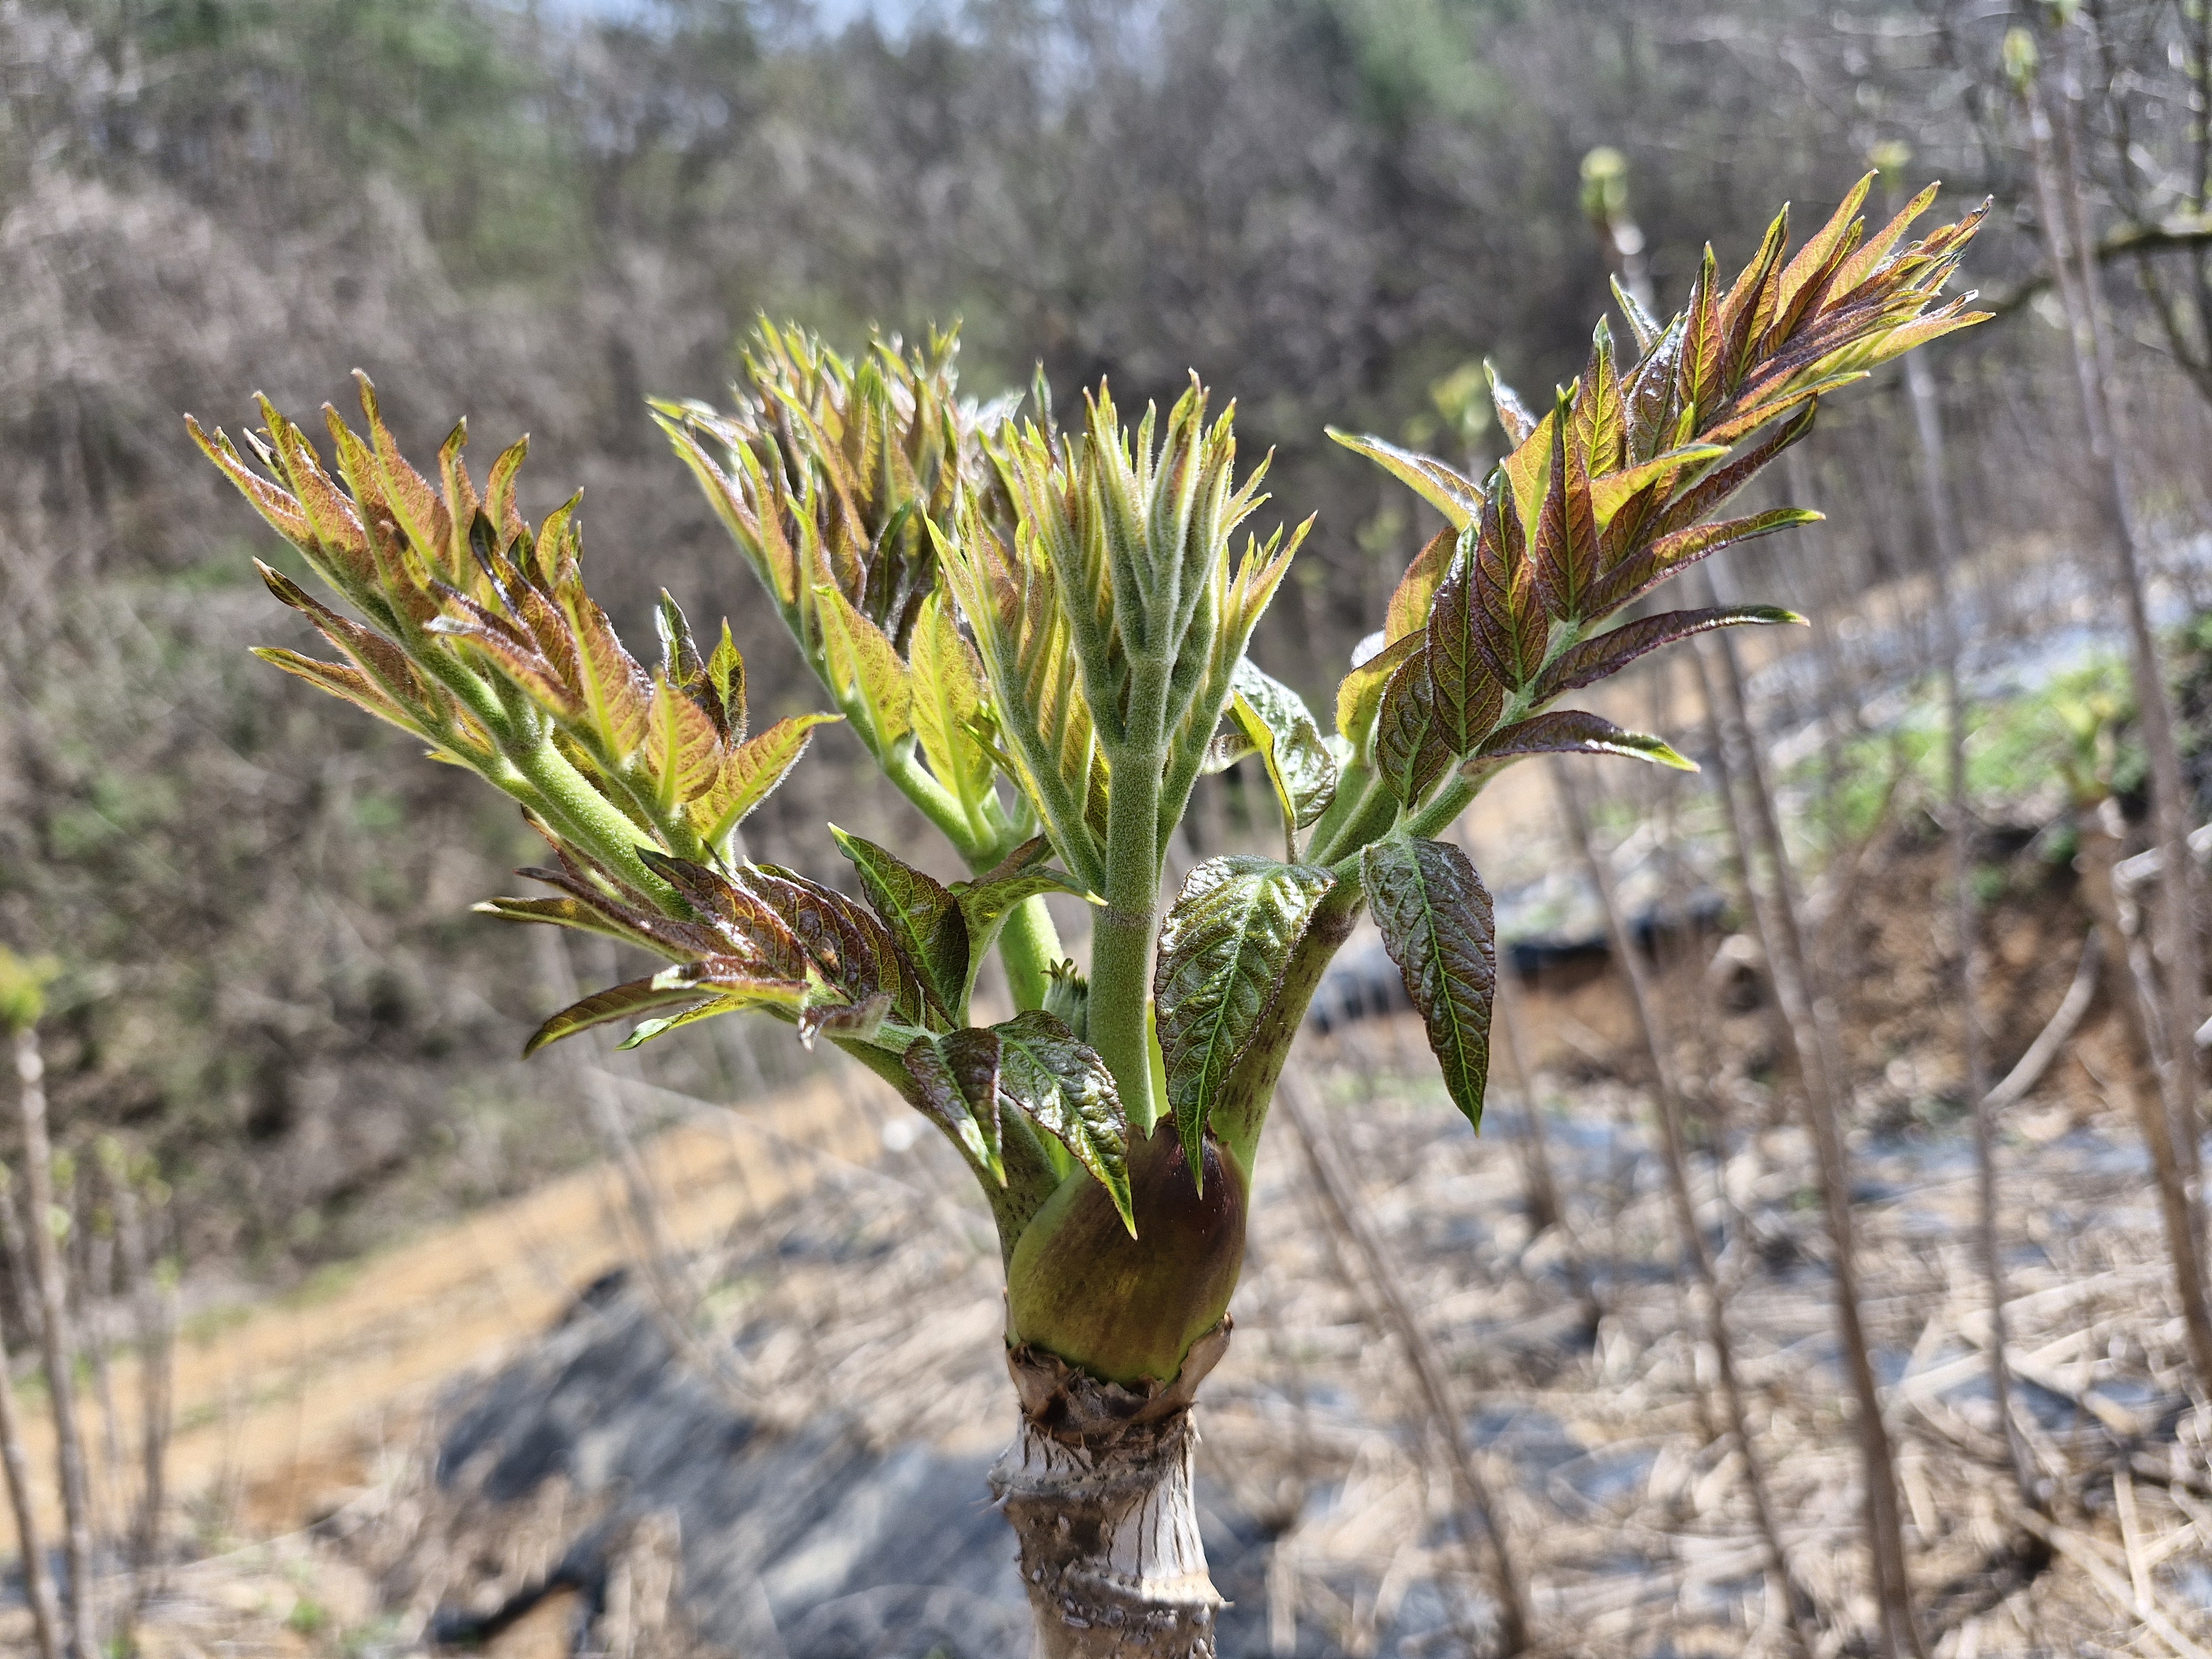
column 1097, row 1487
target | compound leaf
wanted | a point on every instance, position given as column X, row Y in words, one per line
column 1223, row 950
column 1437, row 925
column 1065, row 1087
column 925, row 919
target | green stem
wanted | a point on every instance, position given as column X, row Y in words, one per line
column 935, row 802
column 612, row 838
column 1028, row 945
column 1369, row 819
column 1122, row 940
column 1448, row 804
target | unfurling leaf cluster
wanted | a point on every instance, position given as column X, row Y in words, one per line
column 1039, row 634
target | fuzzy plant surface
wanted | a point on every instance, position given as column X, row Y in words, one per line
column 1036, row 621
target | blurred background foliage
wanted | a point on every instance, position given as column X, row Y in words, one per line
column 538, row 214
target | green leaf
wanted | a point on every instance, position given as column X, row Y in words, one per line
column 616, row 692
column 1457, row 497
column 1609, row 654
column 1645, row 568
column 988, row 900
column 948, row 694
column 1276, row 720
column 682, row 749
column 1467, row 697
column 568, row 912
column 1223, row 950
column 1416, row 591
column 1065, row 1087
column 660, row 1026
column 725, row 677
column 1611, row 491
column 356, row 687
column 925, row 920
column 1436, row 922
column 1577, row 732
column 863, row 666
column 749, row 774
column 956, row 1077
column 1360, row 693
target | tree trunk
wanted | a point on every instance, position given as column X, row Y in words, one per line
column 38, row 1588
column 1097, row 1485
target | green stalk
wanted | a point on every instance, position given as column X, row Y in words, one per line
column 934, row 801
column 1448, row 803
column 1122, row 941
column 1370, row 817
column 1028, row 946
column 612, row 838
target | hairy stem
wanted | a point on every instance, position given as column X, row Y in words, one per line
column 1028, row 946
column 611, row 837
column 1127, row 928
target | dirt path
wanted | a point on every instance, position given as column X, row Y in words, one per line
column 280, row 1407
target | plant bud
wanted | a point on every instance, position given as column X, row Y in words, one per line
column 1127, row 1310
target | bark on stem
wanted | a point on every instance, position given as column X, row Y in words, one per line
column 1097, row 1487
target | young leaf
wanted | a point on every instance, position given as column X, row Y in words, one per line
column 1458, row 498
column 749, row 773
column 1411, row 749
column 682, row 749
column 1467, row 697
column 722, row 979
column 957, row 1078
column 1275, row 719
column 1360, row 693
column 1435, row 921
column 568, row 912
column 1067, row 1091
column 1223, row 950
column 356, row 687
column 925, row 920
column 863, row 666
column 988, row 900
column 1417, row 589
column 1609, row 654
column 856, row 1022
column 948, row 693
column 1647, row 568
column 1577, row 732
